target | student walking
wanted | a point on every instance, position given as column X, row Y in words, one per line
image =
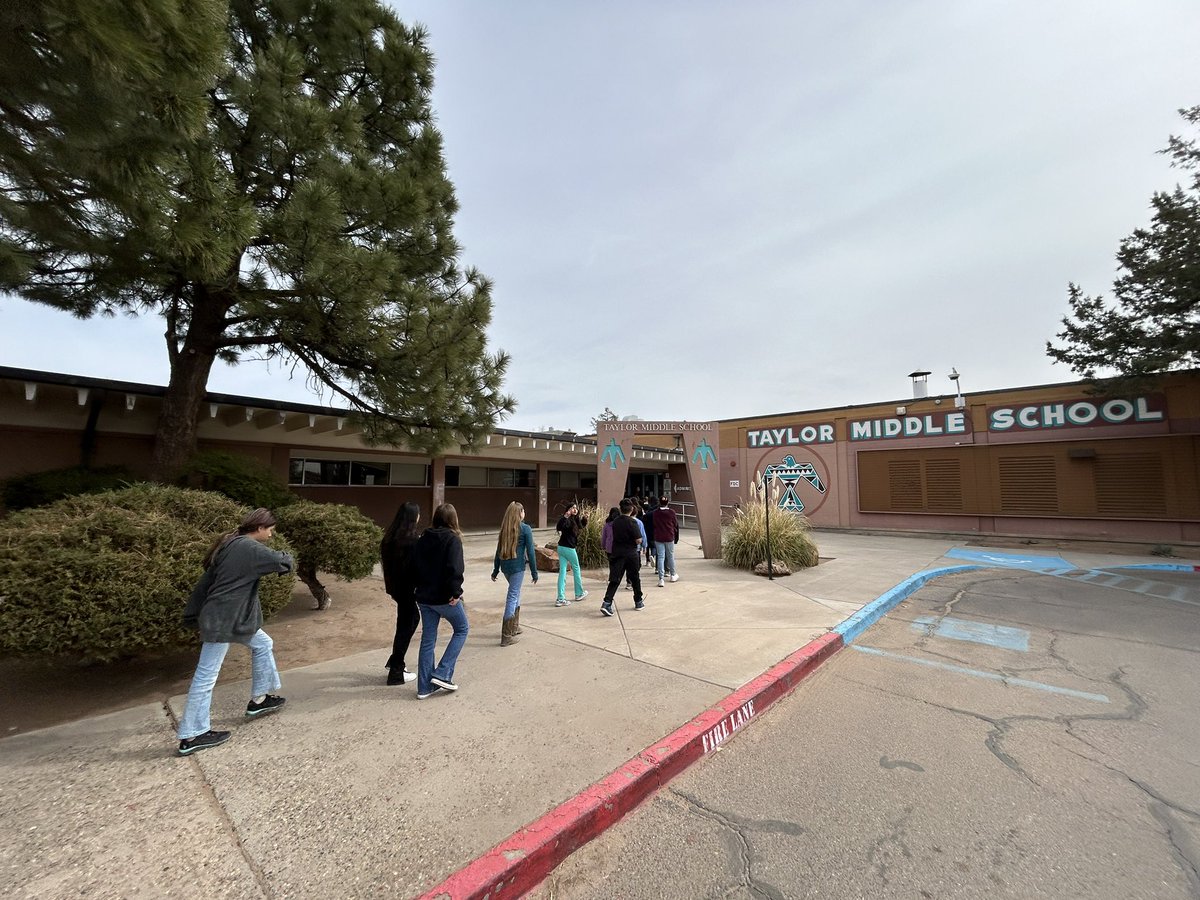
column 438, row 563
column 666, row 536
column 626, row 559
column 225, row 609
column 647, row 520
column 396, row 555
column 568, row 528
column 514, row 550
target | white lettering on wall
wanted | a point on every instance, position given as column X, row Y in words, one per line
column 1078, row 413
column 789, row 435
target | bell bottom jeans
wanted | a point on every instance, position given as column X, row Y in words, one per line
column 264, row 677
column 431, row 616
column 567, row 556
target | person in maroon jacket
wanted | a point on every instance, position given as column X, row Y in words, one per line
column 666, row 536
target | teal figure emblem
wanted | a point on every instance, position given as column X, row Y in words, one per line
column 789, row 472
column 612, row 452
column 704, row 454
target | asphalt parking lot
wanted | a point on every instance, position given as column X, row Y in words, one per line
column 1002, row 733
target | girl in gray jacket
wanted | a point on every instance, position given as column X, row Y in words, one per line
column 225, row 609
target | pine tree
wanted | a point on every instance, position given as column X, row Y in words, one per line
column 295, row 207
column 1151, row 326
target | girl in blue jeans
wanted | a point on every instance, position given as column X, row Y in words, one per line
column 225, row 609
column 438, row 572
column 569, row 527
column 514, row 550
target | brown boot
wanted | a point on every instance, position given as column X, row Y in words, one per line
column 517, row 629
column 506, row 633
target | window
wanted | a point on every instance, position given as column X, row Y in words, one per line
column 369, row 473
column 466, row 476
column 566, row 478
column 355, row 472
column 523, row 478
column 410, row 473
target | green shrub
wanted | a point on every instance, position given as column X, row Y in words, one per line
column 41, row 488
column 591, row 553
column 329, row 537
column 744, row 543
column 239, row 478
column 104, row 576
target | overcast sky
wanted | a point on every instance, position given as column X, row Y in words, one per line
column 707, row 210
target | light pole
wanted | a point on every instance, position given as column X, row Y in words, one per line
column 959, row 402
column 768, row 477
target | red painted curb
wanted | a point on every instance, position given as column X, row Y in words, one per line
column 522, row 861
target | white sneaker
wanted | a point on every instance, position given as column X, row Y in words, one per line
column 660, row 582
column 582, row 596
column 409, row 676
column 674, row 578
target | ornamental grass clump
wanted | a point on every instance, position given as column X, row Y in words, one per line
column 105, row 576
column 329, row 537
column 744, row 544
column 591, row 553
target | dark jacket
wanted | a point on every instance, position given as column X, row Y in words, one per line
column 438, row 566
column 568, row 530
column 224, row 604
column 647, row 520
column 666, row 526
column 399, row 577
column 626, row 536
column 524, row 555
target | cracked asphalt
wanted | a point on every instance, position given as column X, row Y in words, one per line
column 1054, row 751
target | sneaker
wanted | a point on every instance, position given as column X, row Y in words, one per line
column 562, row 601
column 639, row 604
column 660, row 582
column 203, row 742
column 270, row 704
column 433, row 690
column 444, row 683
column 606, row 609
column 674, row 578
column 400, row 676
column 628, row 586
column 582, row 596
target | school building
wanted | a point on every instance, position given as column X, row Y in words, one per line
column 1043, row 462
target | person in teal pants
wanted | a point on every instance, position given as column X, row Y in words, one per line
column 569, row 527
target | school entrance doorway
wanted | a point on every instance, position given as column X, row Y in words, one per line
column 614, row 481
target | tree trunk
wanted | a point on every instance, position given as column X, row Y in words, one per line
column 309, row 577
column 175, row 440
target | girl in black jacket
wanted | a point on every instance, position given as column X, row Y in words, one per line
column 399, row 579
column 438, row 569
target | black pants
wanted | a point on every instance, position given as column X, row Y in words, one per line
column 408, row 617
column 627, row 565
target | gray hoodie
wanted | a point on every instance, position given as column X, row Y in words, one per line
column 224, row 604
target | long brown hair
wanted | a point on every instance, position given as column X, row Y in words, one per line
column 510, row 530
column 446, row 516
column 260, row 518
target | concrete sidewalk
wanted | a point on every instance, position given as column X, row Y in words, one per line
column 359, row 790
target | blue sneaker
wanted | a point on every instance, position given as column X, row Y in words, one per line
column 606, row 609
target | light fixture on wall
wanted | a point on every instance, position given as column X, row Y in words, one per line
column 958, row 397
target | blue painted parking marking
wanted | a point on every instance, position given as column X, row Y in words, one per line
column 979, row 673
column 1003, row 636
column 1011, row 560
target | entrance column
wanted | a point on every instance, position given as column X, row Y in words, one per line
column 543, row 494
column 437, row 476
